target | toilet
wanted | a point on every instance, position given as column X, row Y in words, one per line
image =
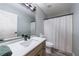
column 49, row 46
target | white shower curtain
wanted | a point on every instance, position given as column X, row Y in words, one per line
column 59, row 32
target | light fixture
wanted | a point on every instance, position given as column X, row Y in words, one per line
column 30, row 6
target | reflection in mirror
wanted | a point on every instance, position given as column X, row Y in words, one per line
column 8, row 25
column 33, row 28
column 15, row 20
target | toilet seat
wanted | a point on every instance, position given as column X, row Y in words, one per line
column 49, row 44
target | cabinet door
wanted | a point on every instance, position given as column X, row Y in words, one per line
column 40, row 53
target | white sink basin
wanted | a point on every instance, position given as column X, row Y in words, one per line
column 27, row 43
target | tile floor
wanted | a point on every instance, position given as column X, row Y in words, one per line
column 56, row 53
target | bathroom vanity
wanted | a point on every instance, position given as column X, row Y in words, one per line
column 32, row 47
column 37, row 51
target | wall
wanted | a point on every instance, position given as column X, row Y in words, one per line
column 39, row 21
column 76, row 29
column 24, row 16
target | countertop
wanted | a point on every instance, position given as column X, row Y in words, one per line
column 20, row 50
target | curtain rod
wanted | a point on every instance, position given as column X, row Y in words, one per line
column 58, row 16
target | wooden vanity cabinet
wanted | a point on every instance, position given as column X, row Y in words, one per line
column 38, row 51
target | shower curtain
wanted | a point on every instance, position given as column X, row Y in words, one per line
column 59, row 32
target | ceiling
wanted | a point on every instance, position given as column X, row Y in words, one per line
column 55, row 9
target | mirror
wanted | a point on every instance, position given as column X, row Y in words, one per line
column 15, row 20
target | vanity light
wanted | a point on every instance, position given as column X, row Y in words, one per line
column 30, row 6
